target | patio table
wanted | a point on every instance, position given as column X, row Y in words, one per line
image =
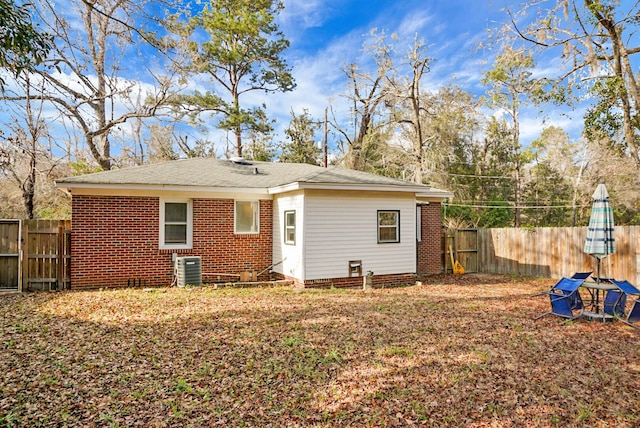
column 595, row 289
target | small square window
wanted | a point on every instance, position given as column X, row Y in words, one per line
column 290, row 227
column 247, row 217
column 388, row 226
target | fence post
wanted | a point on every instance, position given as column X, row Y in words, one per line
column 23, row 275
column 60, row 257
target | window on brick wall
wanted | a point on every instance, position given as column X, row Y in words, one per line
column 247, row 217
column 290, row 227
column 388, row 226
column 176, row 224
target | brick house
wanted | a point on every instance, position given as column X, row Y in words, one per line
column 315, row 226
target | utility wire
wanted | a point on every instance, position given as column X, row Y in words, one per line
column 529, row 207
column 493, row 177
column 538, row 201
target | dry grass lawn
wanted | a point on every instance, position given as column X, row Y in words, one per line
column 457, row 351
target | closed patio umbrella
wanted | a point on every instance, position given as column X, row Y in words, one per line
column 600, row 240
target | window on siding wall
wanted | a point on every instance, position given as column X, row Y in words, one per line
column 247, row 217
column 290, row 227
column 388, row 226
column 176, row 224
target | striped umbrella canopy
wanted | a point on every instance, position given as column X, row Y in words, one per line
column 600, row 240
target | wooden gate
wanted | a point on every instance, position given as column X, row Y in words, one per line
column 10, row 260
column 463, row 245
column 35, row 255
column 46, row 254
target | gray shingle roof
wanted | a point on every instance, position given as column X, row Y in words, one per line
column 217, row 173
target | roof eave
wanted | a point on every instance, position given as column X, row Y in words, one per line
column 434, row 194
column 421, row 192
column 67, row 187
column 350, row 186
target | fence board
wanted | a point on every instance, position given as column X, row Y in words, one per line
column 555, row 252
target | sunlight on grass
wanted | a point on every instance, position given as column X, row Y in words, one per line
column 441, row 354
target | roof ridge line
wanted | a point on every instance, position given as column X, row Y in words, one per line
column 315, row 174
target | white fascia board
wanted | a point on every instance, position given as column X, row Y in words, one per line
column 68, row 187
column 284, row 188
column 334, row 186
column 433, row 196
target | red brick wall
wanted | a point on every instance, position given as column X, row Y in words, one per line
column 223, row 251
column 378, row 281
column 115, row 241
column 430, row 247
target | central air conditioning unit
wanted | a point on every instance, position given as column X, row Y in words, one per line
column 188, row 271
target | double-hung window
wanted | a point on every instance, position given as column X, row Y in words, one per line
column 247, row 217
column 388, row 226
column 176, row 224
column 290, row 227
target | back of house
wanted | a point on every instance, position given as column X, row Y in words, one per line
column 252, row 221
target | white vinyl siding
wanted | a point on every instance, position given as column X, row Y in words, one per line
column 343, row 226
column 292, row 254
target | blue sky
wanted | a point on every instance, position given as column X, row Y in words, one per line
column 325, row 35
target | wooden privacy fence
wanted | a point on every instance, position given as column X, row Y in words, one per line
column 35, row 255
column 462, row 244
column 556, row 252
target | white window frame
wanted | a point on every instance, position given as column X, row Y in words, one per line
column 397, row 227
column 288, row 227
column 256, row 217
column 189, row 243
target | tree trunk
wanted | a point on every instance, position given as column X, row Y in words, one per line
column 628, row 94
column 516, row 158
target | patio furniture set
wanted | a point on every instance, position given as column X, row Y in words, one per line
column 604, row 299
column 607, row 299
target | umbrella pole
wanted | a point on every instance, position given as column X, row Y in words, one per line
column 598, row 270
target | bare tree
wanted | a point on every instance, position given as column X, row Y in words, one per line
column 24, row 160
column 84, row 77
column 367, row 95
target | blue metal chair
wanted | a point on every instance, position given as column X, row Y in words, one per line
column 628, row 289
column 565, row 299
column 614, row 303
column 581, row 275
column 575, row 299
column 634, row 314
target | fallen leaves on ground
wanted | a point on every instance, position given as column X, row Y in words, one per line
column 455, row 351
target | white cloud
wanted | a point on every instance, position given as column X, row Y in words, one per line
column 303, row 14
column 319, row 80
column 414, row 22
